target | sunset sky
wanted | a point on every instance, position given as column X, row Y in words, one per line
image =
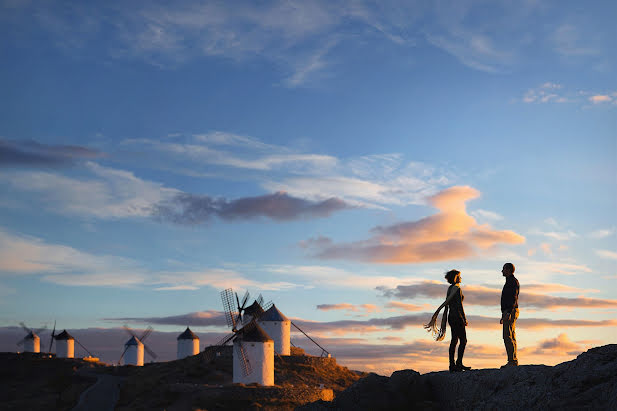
column 336, row 157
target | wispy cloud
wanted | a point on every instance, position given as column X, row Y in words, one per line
column 368, row 308
column 486, row 296
column 607, row 254
column 194, row 209
column 601, row 233
column 195, row 319
column 112, row 193
column 557, row 93
column 449, row 234
column 29, row 153
column 23, row 255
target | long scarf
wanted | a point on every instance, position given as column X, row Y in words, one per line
column 440, row 332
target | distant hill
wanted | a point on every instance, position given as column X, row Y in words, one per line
column 588, row 382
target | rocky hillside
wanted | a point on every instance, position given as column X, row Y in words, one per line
column 588, row 382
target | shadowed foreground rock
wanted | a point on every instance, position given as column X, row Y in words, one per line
column 588, row 382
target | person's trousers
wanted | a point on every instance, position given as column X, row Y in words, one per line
column 509, row 335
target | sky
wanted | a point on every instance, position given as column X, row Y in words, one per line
column 336, row 157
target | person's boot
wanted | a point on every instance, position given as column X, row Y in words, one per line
column 454, row 367
column 462, row 367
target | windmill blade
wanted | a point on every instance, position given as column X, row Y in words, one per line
column 146, row 334
column 128, row 330
column 245, row 299
column 227, row 296
column 150, row 352
column 40, row 330
column 23, row 340
column 81, row 345
column 260, row 300
column 53, row 334
column 126, row 347
column 26, row 329
column 245, row 363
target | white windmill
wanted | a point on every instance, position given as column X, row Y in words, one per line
column 65, row 345
column 277, row 326
column 253, row 349
column 134, row 348
column 188, row 344
column 31, row 342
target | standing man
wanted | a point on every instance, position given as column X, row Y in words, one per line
column 509, row 313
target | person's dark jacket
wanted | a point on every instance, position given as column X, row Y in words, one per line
column 509, row 294
column 456, row 314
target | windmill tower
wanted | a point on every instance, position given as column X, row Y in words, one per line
column 65, row 345
column 277, row 326
column 253, row 356
column 253, row 349
column 31, row 342
column 188, row 344
column 134, row 348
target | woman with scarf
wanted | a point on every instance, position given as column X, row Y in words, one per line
column 456, row 318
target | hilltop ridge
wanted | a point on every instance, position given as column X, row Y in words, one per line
column 587, row 382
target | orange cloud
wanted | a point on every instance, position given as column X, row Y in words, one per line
column 449, row 234
column 486, row 296
column 600, row 98
column 369, row 308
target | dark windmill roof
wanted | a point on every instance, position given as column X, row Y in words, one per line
column 64, row 336
column 253, row 309
column 188, row 335
column 133, row 341
column 273, row 314
column 253, row 333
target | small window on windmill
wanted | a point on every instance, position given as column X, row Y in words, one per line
column 252, row 344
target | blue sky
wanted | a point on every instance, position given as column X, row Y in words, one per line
column 152, row 155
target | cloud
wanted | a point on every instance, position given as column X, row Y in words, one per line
column 29, row 153
column 600, row 98
column 196, row 319
column 490, row 297
column 449, row 234
column 601, row 233
column 194, row 209
column 23, row 255
column 607, row 254
column 397, row 305
column 108, row 193
column 369, row 308
column 319, row 275
column 486, row 215
column 417, row 321
column 568, row 41
column 555, row 235
column 113, row 193
column 560, row 344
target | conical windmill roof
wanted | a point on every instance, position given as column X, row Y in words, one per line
column 64, row 336
column 188, row 335
column 133, row 341
column 273, row 314
column 253, row 333
column 253, row 308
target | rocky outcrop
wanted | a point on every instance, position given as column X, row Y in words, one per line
column 588, row 382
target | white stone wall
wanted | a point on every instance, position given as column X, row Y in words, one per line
column 279, row 331
column 134, row 355
column 187, row 348
column 261, row 358
column 32, row 345
column 65, row 348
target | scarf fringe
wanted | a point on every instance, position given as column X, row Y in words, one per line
column 438, row 332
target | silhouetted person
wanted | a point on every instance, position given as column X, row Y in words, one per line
column 509, row 312
column 456, row 318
